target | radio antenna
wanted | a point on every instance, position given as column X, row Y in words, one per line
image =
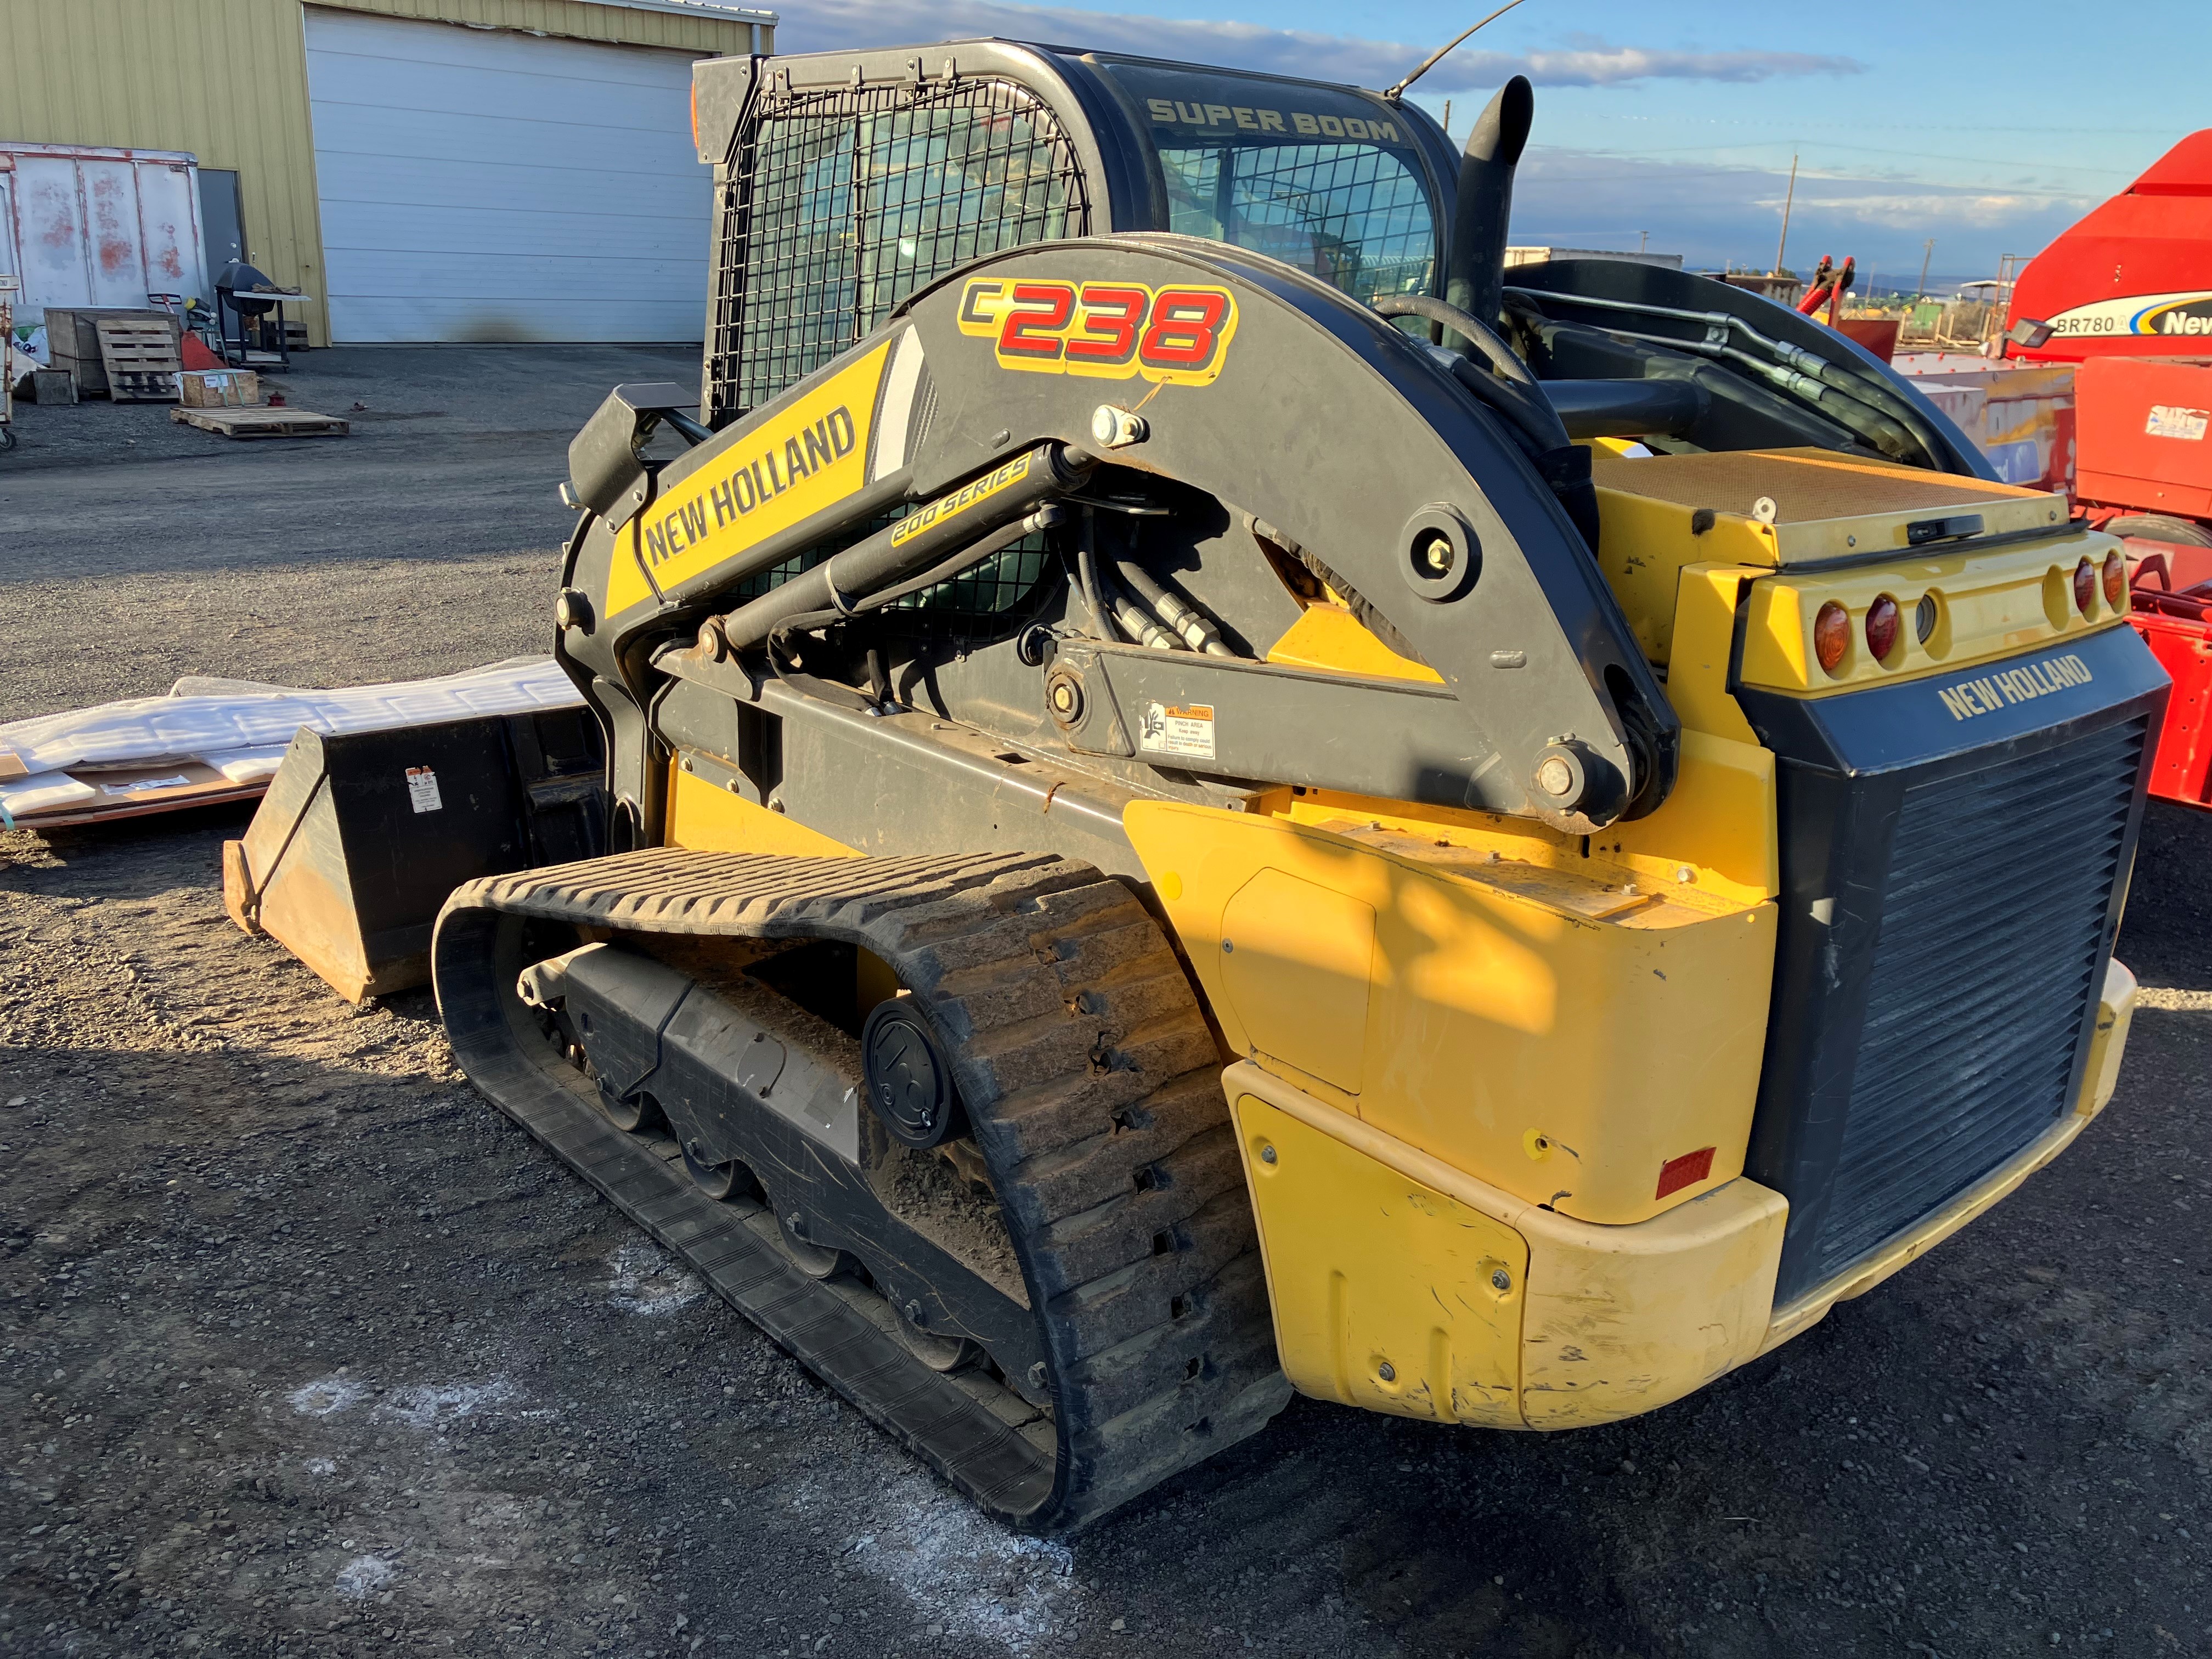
column 1437, row 57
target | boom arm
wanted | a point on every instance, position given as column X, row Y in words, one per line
column 1202, row 372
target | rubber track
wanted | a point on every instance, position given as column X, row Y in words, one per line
column 1093, row 1086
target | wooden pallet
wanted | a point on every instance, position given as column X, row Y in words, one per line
column 139, row 359
column 263, row 422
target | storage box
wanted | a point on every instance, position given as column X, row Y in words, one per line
column 220, row 388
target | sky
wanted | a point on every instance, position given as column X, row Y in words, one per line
column 1988, row 129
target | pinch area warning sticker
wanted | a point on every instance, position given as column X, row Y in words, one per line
column 2171, row 421
column 1172, row 730
column 422, row 790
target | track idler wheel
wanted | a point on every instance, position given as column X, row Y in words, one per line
column 908, row 1082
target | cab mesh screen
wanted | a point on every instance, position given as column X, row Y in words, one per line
column 1356, row 216
column 845, row 202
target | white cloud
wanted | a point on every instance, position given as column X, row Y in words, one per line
column 1903, row 211
column 1714, row 214
column 1604, row 66
column 825, row 25
column 1711, row 214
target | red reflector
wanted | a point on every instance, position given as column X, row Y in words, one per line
column 1686, row 1171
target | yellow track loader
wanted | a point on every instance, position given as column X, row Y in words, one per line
column 1211, row 793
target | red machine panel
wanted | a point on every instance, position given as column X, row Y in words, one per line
column 2173, row 613
column 2128, row 293
column 2184, row 747
column 2135, row 277
column 2143, row 433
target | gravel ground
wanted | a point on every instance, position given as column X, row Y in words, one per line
column 139, row 549
column 306, row 1350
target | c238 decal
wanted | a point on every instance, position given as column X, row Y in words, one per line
column 1106, row 331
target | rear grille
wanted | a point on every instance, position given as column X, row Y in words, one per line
column 1991, row 935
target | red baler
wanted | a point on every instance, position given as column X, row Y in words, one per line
column 2127, row 294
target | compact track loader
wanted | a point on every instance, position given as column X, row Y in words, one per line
column 1211, row 793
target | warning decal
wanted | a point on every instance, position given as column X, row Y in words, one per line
column 422, row 790
column 1170, row 729
column 2170, row 420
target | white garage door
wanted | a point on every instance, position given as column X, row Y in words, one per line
column 482, row 184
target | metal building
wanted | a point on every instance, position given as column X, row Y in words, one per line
column 424, row 170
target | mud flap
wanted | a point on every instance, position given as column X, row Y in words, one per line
column 363, row 835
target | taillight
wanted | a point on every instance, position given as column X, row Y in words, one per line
column 1924, row 617
column 2116, row 580
column 1881, row 625
column 1832, row 634
column 2085, row 586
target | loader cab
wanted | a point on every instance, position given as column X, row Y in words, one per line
column 847, row 182
column 1329, row 180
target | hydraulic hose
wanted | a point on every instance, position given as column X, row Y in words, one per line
column 1198, row 629
column 1483, row 336
column 1134, row 623
column 1849, row 412
column 1086, row 574
column 1866, row 389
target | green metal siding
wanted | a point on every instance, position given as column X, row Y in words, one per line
column 227, row 81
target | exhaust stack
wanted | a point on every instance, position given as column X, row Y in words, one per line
column 1474, row 276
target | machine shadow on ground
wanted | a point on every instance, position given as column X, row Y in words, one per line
column 308, row 1349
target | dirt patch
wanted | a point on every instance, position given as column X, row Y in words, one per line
column 926, row 1192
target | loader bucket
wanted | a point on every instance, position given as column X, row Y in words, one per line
column 363, row 834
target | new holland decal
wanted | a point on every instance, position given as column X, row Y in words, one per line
column 1987, row 693
column 807, row 456
column 1105, row 331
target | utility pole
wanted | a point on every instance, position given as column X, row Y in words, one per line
column 1921, row 293
column 1447, row 118
column 1643, row 240
column 1788, row 202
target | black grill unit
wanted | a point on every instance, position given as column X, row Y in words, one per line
column 1952, row 887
